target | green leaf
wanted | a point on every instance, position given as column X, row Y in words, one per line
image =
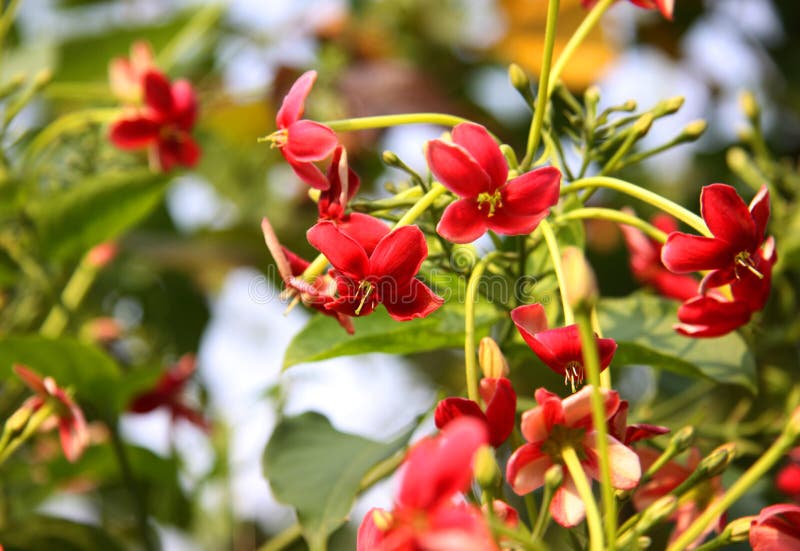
column 40, row 533
column 92, row 373
column 642, row 326
column 72, row 221
column 323, row 337
column 318, row 470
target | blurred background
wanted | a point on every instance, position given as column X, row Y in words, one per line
column 196, row 277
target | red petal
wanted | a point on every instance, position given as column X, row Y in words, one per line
column 677, row 286
column 727, row 216
column 183, row 152
column 73, row 433
column 454, row 407
column 365, row 229
column 456, row 169
column 625, row 468
column 666, row 7
column 480, row 145
column 526, row 468
column 705, row 316
column 134, row 133
column 538, row 422
column 185, row 104
column 788, row 480
column 398, row 256
column 759, row 209
column 567, row 507
column 684, row 253
column 417, row 301
column 501, row 409
column 158, row 94
column 532, row 193
column 578, row 406
column 606, row 349
column 507, row 224
column 716, row 278
column 33, row 380
column 309, row 141
column 292, row 107
column 369, row 535
column 341, row 250
column 462, row 222
column 308, row 173
column 557, row 347
column 664, row 222
column 347, row 305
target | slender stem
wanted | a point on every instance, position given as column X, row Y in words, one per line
column 614, row 215
column 555, row 256
column 139, row 504
column 544, row 87
column 752, row 475
column 6, row 20
column 577, row 38
column 670, row 207
column 585, row 492
column 530, row 503
column 72, row 295
column 470, row 364
column 627, row 144
column 383, row 121
column 283, row 539
column 543, row 520
column 520, row 540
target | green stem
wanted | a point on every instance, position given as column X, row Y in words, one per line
column 555, row 256
column 470, row 364
column 591, row 364
column 544, row 87
column 72, row 295
column 670, row 207
column 283, row 539
column 69, row 122
column 577, row 38
column 543, row 520
column 139, row 504
column 578, row 475
column 614, row 215
column 6, row 20
column 384, row 121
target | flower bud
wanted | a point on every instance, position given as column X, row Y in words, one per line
column 749, row 105
column 487, row 473
column 736, row 159
column 629, row 105
column 520, row 81
column 644, row 542
column 102, row 254
column 718, row 460
column 510, row 155
column 553, row 477
column 670, row 106
column 682, row 439
column 17, row 421
column 693, row 130
column 658, row 511
column 579, row 280
column 390, row 158
column 491, row 359
column 738, row 530
column 643, row 124
column 591, row 98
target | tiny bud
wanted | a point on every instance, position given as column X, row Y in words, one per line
column 17, row 421
column 671, row 105
column 553, row 477
column 737, row 159
column 520, row 81
column 643, row 124
column 693, row 130
column 745, row 134
column 580, row 282
column 683, row 439
column 738, row 530
column 42, row 77
column 491, row 359
column 749, row 105
column 101, row 255
column 591, row 96
column 629, row 105
column 510, row 155
column 390, row 158
column 383, row 519
column 658, row 511
column 487, row 473
column 718, row 460
column 644, row 542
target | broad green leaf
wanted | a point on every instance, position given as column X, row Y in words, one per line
column 642, row 326
column 96, row 210
column 323, row 338
column 41, row 533
column 91, row 372
column 317, row 470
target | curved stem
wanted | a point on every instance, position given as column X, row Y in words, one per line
column 577, row 38
column 578, row 475
column 614, row 215
column 470, row 365
column 555, row 256
column 71, row 297
column 383, row 121
column 535, row 133
column 670, row 207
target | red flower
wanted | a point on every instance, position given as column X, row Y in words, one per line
column 666, row 7
column 560, row 349
column 426, row 515
column 788, row 478
column 72, row 428
column 619, row 428
column 385, row 276
column 692, row 505
column 163, row 125
column 127, row 74
column 303, row 142
column 501, row 407
column 168, row 393
column 473, row 167
column 777, row 528
column 738, row 234
column 646, row 265
column 556, row 424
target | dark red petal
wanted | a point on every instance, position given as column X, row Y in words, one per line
column 526, row 468
column 677, row 286
column 759, row 209
column 292, row 107
column 462, row 222
column 369, row 535
column 717, row 278
column 501, row 409
column 309, row 141
column 642, row 431
column 158, row 94
column 185, row 102
column 705, row 316
column 506, row 224
column 684, row 253
column 533, row 192
column 664, row 222
column 398, row 256
column 456, row 169
column 33, row 380
column 727, row 216
column 308, row 173
column 348, row 305
column 452, row 408
column 341, row 250
column 788, row 480
column 184, row 152
column 558, row 347
column 416, row 301
column 365, row 229
column 606, row 349
column 480, row 145
column 134, row 133
column 532, row 321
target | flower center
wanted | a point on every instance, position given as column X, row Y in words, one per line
column 745, row 260
column 494, row 200
column 278, row 138
column 562, row 437
column 366, row 288
column 574, row 374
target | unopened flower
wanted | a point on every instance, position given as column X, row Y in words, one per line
column 474, row 168
column 777, row 528
column 71, row 422
column 666, row 7
column 499, row 414
column 557, row 424
column 126, row 74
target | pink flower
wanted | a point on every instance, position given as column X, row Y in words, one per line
column 72, row 428
column 167, row 393
column 619, row 428
column 646, row 265
column 386, row 276
column 163, row 125
column 666, row 7
column 738, row 233
column 777, row 528
column 560, row 348
column 473, row 167
column 692, row 505
column 126, row 75
column 303, row 142
column 429, row 512
column 556, row 424
column 499, row 416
